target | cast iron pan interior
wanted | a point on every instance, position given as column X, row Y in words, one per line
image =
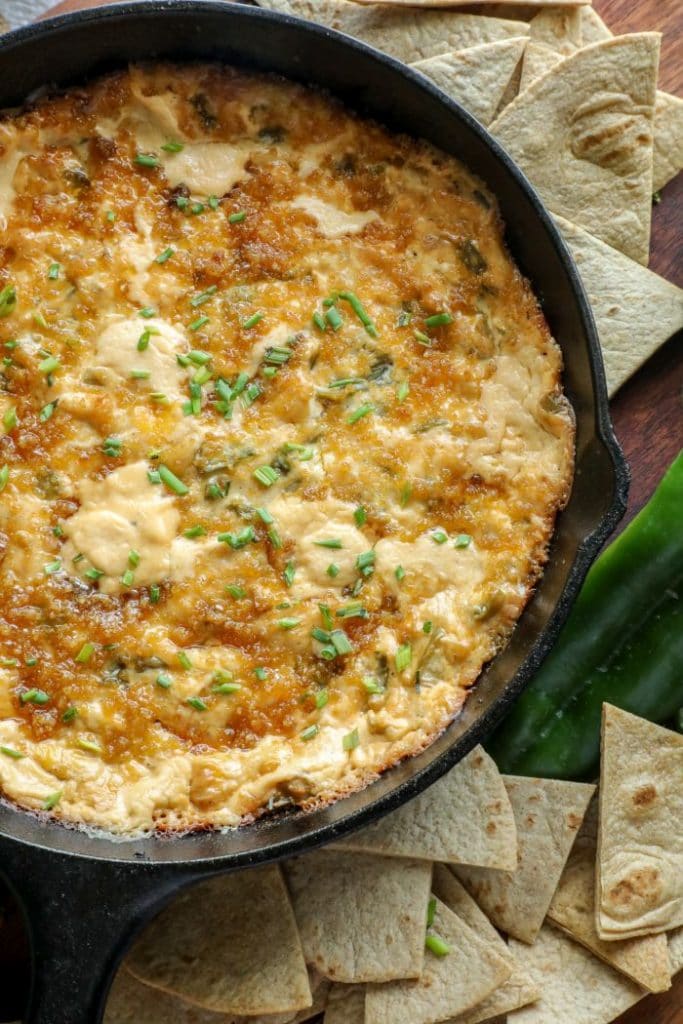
column 84, row 895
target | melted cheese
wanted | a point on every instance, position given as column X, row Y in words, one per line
column 225, row 512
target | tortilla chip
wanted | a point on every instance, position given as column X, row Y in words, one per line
column 639, row 889
column 478, row 77
column 644, row 960
column 538, row 60
column 668, row 152
column 559, row 28
column 448, row 985
column 229, row 945
column 548, row 813
column 345, row 1005
column 518, row 990
column 361, row 918
column 576, row 987
column 131, row 1002
column 464, row 818
column 500, row 4
column 592, row 163
column 635, row 310
column 407, row 35
column 676, row 949
column 593, row 28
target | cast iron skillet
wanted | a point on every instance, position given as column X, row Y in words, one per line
column 84, row 896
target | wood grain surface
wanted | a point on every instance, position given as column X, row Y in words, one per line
column 648, row 411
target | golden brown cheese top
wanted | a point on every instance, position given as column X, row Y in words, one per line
column 282, row 444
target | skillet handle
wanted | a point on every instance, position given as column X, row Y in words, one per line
column 81, row 914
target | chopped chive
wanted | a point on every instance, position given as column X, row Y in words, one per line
column 52, row 567
column 288, row 623
column 226, row 688
column 264, row 515
column 197, row 208
column 439, row 320
column 53, row 271
column 427, row 626
column 51, row 801
column 9, row 752
column 154, row 593
column 197, row 703
column 365, row 563
column 406, row 492
column 47, row 411
column 173, row 147
column 360, row 412
column 128, row 578
column 266, row 475
column 240, row 384
column 360, row 311
column 372, row 685
column 202, row 297
column 334, row 318
column 35, row 697
column 8, row 300
column 172, row 481
column 321, row 699
column 402, row 391
column 153, row 476
column 351, row 740
column 463, row 540
column 360, row 515
column 146, row 160
column 4, row 476
column 236, row 591
column 213, row 202
column 431, row 912
column 143, row 340
column 184, row 660
column 275, row 538
column 58, row 531
column 194, row 531
column 352, row 611
column 321, row 635
column 238, row 540
column 326, row 616
column 237, row 218
column 318, row 321
column 10, row 419
column 112, row 446
column 310, row 732
column 328, row 652
column 133, row 558
column 94, row 574
column 399, row 573
column 403, row 657
column 332, row 570
column 251, row 394
column 289, row 573
column 182, row 202
column 49, row 365
column 147, row 313
column 111, row 216
column 260, row 672
column 439, row 536
column 252, row 320
column 340, row 641
column 164, row 681
column 198, row 357
column 276, row 355
column 70, row 713
column 165, row 256
column 85, row 654
column 140, row 374
column 435, row 944
column 200, row 322
column 333, row 542
column 89, row 746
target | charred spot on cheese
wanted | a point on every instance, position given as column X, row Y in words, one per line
column 283, row 442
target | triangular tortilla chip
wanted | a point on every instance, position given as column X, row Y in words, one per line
column 131, row 1002
column 345, row 1005
column 448, row 985
column 538, row 60
column 361, row 918
column 593, row 28
column 230, row 945
column 548, row 813
column 668, row 152
column 592, row 163
column 518, row 990
column 408, row 35
column 576, row 987
column 644, row 960
column 478, row 77
column 499, row 4
column 558, row 28
column 635, row 310
column 676, row 949
column 639, row 889
column 464, row 818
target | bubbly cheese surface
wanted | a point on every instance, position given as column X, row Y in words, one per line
column 282, row 443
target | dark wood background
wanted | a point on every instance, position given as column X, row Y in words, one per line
column 647, row 413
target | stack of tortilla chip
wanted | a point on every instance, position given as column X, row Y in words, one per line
column 404, row 922
column 578, row 110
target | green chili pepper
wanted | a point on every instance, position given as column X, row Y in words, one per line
column 622, row 643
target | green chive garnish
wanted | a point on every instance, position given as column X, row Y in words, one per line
column 365, row 563
column 34, row 697
column 310, row 732
column 372, row 685
column 8, row 300
column 399, row 573
column 128, row 578
column 351, row 740
column 146, row 160
column 402, row 391
column 361, row 313
column 238, row 540
column 332, row 570
column 172, row 481
column 52, row 800
column 4, row 476
column 140, row 374
column 427, row 626
column 194, row 531
column 70, row 714
column 288, row 623
column 93, row 574
column 147, row 313
column 436, row 945
column 352, row 611
column 154, row 593
column 89, row 746
column 49, row 365
column 9, row 752
column 53, row 271
column 403, row 657
column 318, row 321
column 321, row 699
column 289, row 573
column 133, row 558
column 439, row 320
column 237, row 218
column 236, row 591
column 10, row 419
column 200, row 322
column 173, row 147
column 202, row 297
column 251, row 321
column 340, row 641
column 334, row 318
column 463, row 540
column 422, row 338
column 333, row 542
column 184, row 660
column 47, row 411
column 266, row 475
column 261, row 673
column 85, row 654
column 439, row 536
column 326, row 616
column 431, row 912
column 197, row 703
column 360, row 515
column 112, row 446
column 52, row 567
column 360, row 412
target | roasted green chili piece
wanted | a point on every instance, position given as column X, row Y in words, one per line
column 622, row 643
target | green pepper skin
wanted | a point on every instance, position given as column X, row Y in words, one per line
column 622, row 643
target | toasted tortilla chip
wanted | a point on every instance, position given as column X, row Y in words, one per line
column 644, row 960
column 593, row 28
column 576, row 987
column 668, row 152
column 635, row 310
column 448, row 985
column 464, row 818
column 558, row 28
column 639, row 888
column 676, row 949
column 500, row 4
column 230, row 945
column 345, row 1005
column 518, row 990
column 592, row 163
column 361, row 917
column 408, row 35
column 548, row 813
column 478, row 77
column 131, row 1002
column 538, row 60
